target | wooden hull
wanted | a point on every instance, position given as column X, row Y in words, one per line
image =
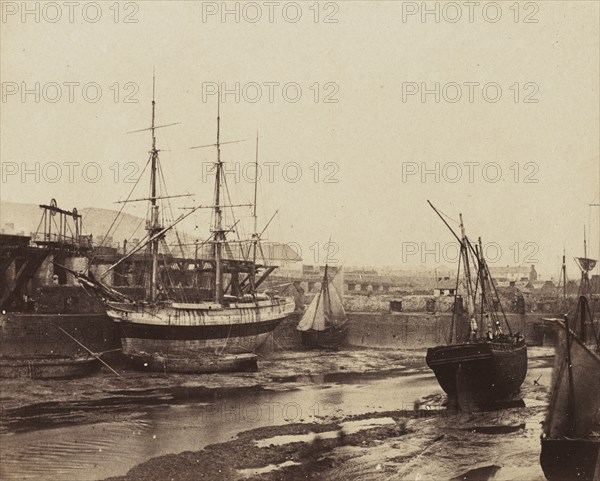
column 188, row 337
column 331, row 338
column 475, row 374
column 47, row 367
column 571, row 459
column 570, row 441
column 196, row 365
column 31, row 335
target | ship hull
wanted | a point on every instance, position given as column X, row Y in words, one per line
column 570, row 442
column 41, row 334
column 331, row 338
column 571, row 459
column 475, row 374
column 201, row 337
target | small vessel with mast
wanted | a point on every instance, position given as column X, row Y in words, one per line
column 480, row 364
column 571, row 433
column 164, row 331
column 324, row 325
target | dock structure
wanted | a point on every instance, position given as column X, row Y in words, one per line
column 26, row 262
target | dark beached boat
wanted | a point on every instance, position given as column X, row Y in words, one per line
column 330, row 339
column 481, row 371
column 481, row 365
column 571, row 434
column 48, row 367
column 324, row 325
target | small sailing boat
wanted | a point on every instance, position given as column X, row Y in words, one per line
column 480, row 364
column 166, row 330
column 571, row 434
column 324, row 325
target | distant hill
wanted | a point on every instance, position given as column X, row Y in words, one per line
column 19, row 218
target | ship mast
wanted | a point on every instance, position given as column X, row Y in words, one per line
column 585, row 280
column 255, row 232
column 218, row 222
column 564, row 275
column 465, row 256
column 153, row 225
column 482, row 280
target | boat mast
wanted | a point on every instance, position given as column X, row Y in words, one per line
column 153, row 225
column 218, row 225
column 585, row 265
column 465, row 256
column 453, row 322
column 326, row 296
column 482, row 279
column 564, row 275
column 255, row 232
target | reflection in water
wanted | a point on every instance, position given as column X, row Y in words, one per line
column 247, row 473
column 349, row 427
column 97, row 451
column 440, row 445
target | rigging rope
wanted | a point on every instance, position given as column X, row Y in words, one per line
column 122, row 207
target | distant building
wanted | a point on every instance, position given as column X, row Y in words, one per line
column 510, row 273
column 533, row 275
column 573, row 288
column 444, row 291
column 544, row 287
column 308, row 269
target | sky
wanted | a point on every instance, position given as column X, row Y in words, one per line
column 364, row 110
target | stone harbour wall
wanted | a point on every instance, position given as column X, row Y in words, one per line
column 401, row 330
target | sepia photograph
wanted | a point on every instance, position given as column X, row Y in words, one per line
column 314, row 240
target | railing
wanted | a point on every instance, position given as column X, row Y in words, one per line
column 83, row 240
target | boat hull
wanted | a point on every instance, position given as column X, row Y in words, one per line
column 201, row 337
column 331, row 338
column 570, row 441
column 55, row 367
column 478, row 373
column 39, row 334
column 571, row 459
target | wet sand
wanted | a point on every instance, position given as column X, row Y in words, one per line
column 33, row 404
column 408, row 433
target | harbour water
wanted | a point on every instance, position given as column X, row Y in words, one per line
column 497, row 444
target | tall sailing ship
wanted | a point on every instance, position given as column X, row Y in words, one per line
column 571, row 434
column 165, row 330
column 480, row 364
column 324, row 324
